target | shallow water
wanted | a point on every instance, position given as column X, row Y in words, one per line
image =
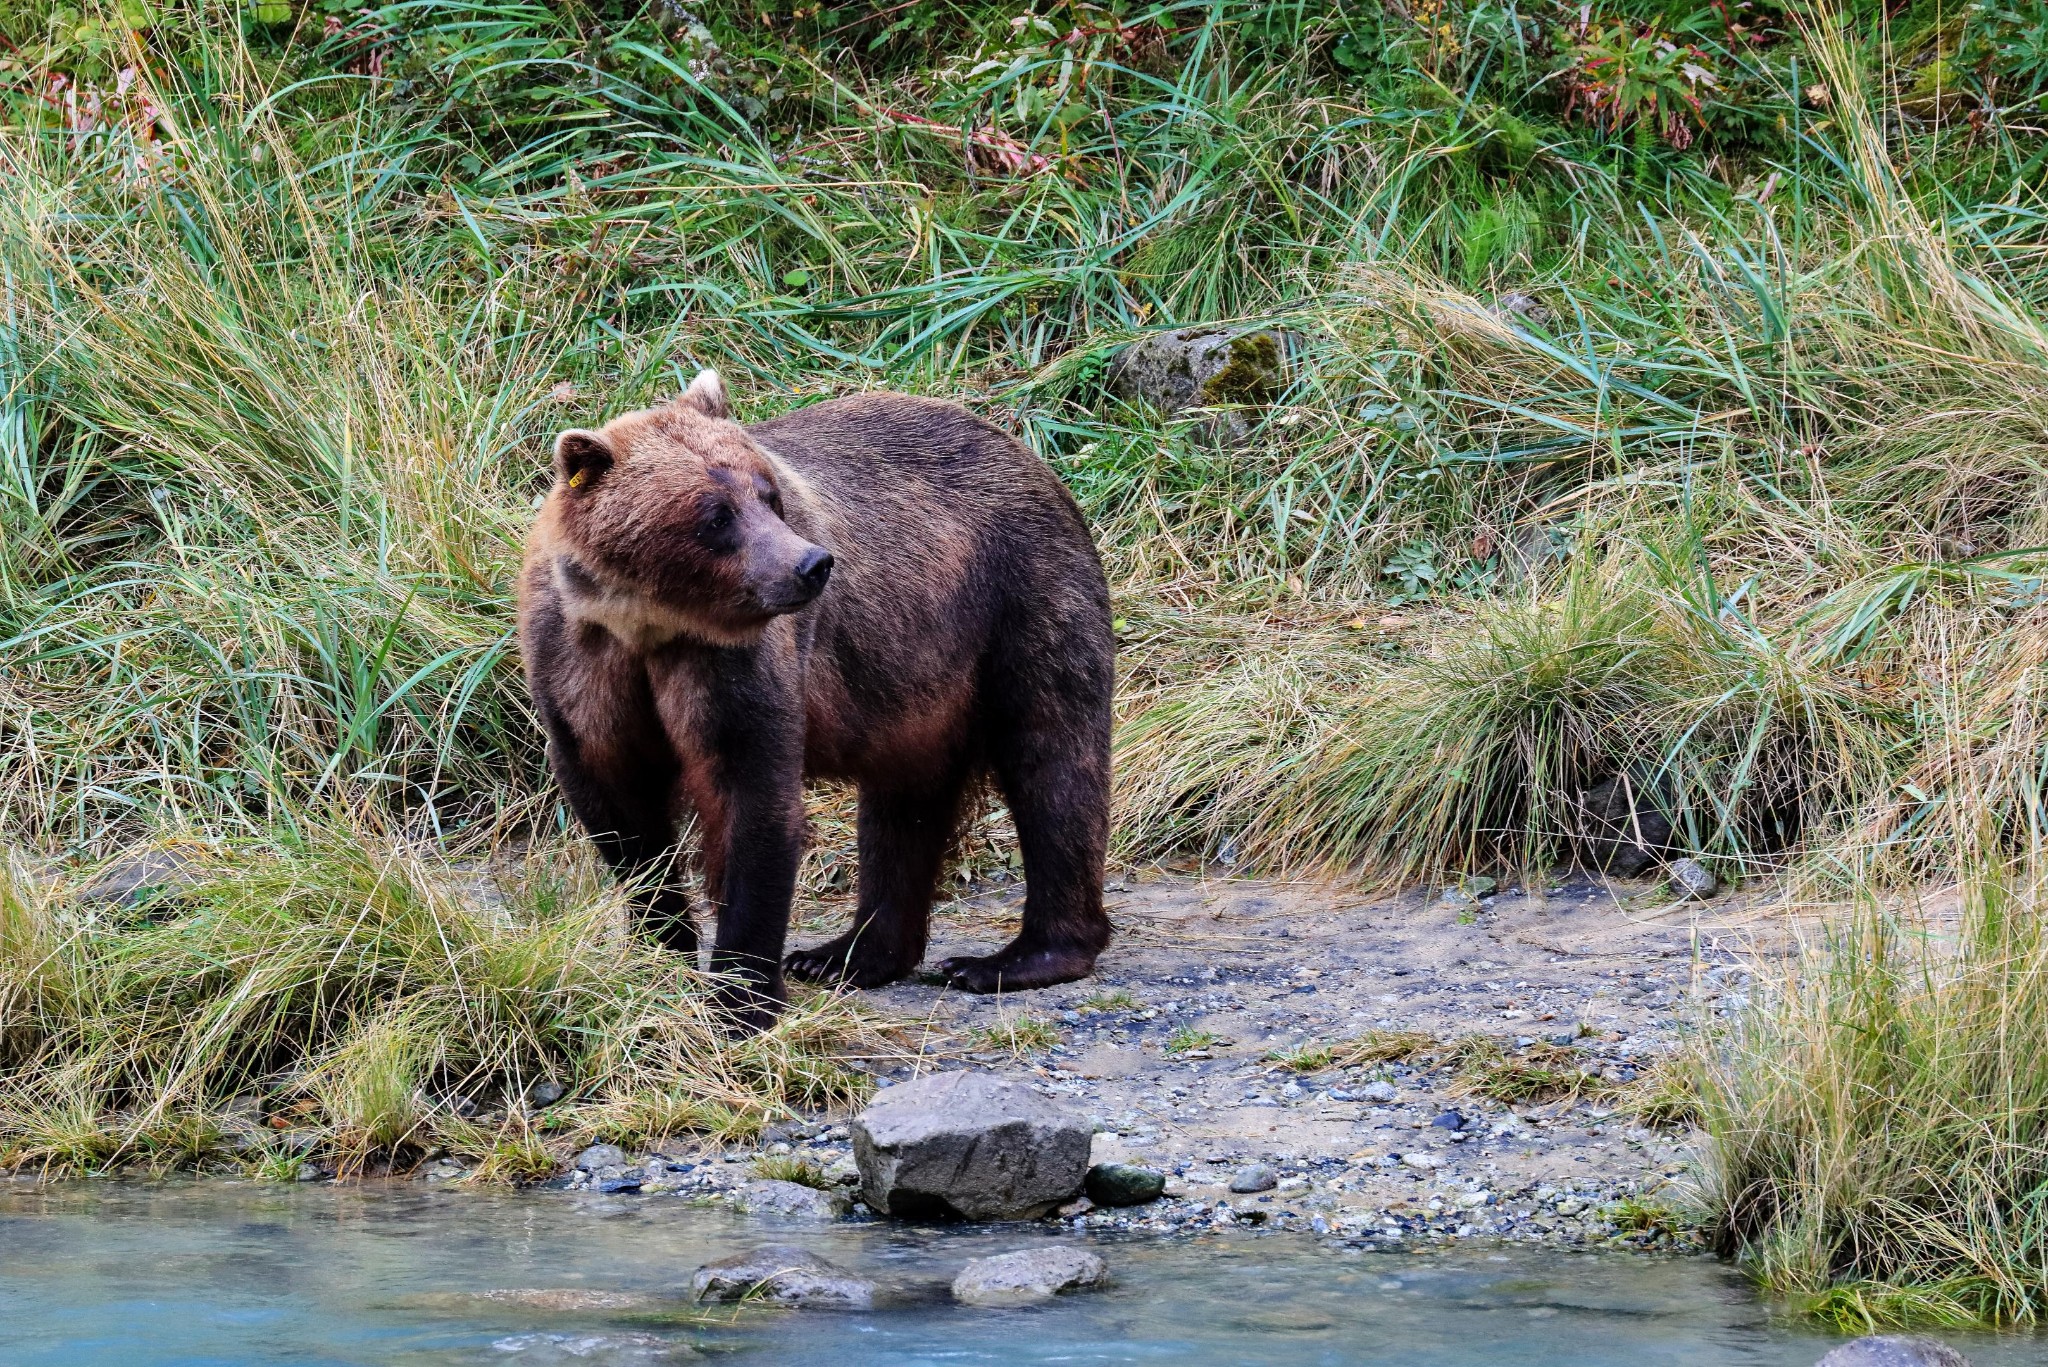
column 220, row 1273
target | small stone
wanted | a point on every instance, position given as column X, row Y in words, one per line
column 614, row 1180
column 1075, row 1209
column 793, row 1200
column 1894, row 1350
column 1449, row 1120
column 1256, row 1177
column 1692, row 880
column 545, row 1094
column 1422, row 1162
column 783, row 1275
column 1378, row 1092
column 1028, row 1275
column 1570, row 1206
column 598, row 1157
column 1124, row 1184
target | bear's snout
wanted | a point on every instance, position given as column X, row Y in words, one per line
column 813, row 568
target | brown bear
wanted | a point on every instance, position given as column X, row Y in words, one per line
column 881, row 589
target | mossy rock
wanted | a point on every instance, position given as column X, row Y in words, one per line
column 1203, row 368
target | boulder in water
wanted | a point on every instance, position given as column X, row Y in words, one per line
column 793, row 1200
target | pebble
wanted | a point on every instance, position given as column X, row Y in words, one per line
column 1381, row 1092
column 1256, row 1177
column 1449, row 1120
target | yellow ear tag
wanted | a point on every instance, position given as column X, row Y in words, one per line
column 576, row 480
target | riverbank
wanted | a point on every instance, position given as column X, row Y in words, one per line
column 1515, row 1042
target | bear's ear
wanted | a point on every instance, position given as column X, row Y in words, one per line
column 707, row 395
column 581, row 457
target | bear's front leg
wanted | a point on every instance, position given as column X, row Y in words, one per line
column 745, row 778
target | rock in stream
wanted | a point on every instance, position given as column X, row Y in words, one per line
column 1032, row 1274
column 783, row 1274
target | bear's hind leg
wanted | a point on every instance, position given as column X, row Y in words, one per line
column 903, row 843
column 1055, row 778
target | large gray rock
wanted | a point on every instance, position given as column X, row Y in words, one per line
column 1032, row 1274
column 1894, row 1350
column 783, row 1274
column 1202, row 368
column 793, row 1200
column 968, row 1145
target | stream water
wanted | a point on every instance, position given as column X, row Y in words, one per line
column 230, row 1273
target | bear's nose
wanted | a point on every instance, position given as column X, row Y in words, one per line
column 814, row 568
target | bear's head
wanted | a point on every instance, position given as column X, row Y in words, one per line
column 672, row 522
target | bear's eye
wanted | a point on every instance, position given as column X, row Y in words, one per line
column 720, row 520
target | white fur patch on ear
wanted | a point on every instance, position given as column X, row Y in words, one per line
column 707, row 395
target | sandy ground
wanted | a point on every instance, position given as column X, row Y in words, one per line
column 1618, row 971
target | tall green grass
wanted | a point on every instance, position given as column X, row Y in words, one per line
column 365, row 1003
column 1877, row 1118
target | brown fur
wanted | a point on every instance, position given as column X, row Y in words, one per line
column 683, row 664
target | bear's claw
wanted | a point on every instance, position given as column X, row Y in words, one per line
column 1014, row 970
column 842, row 961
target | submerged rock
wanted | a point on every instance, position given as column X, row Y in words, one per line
column 969, row 1145
column 794, row 1199
column 1894, row 1350
column 1124, row 1184
column 549, row 1348
column 1032, row 1274
column 783, row 1274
